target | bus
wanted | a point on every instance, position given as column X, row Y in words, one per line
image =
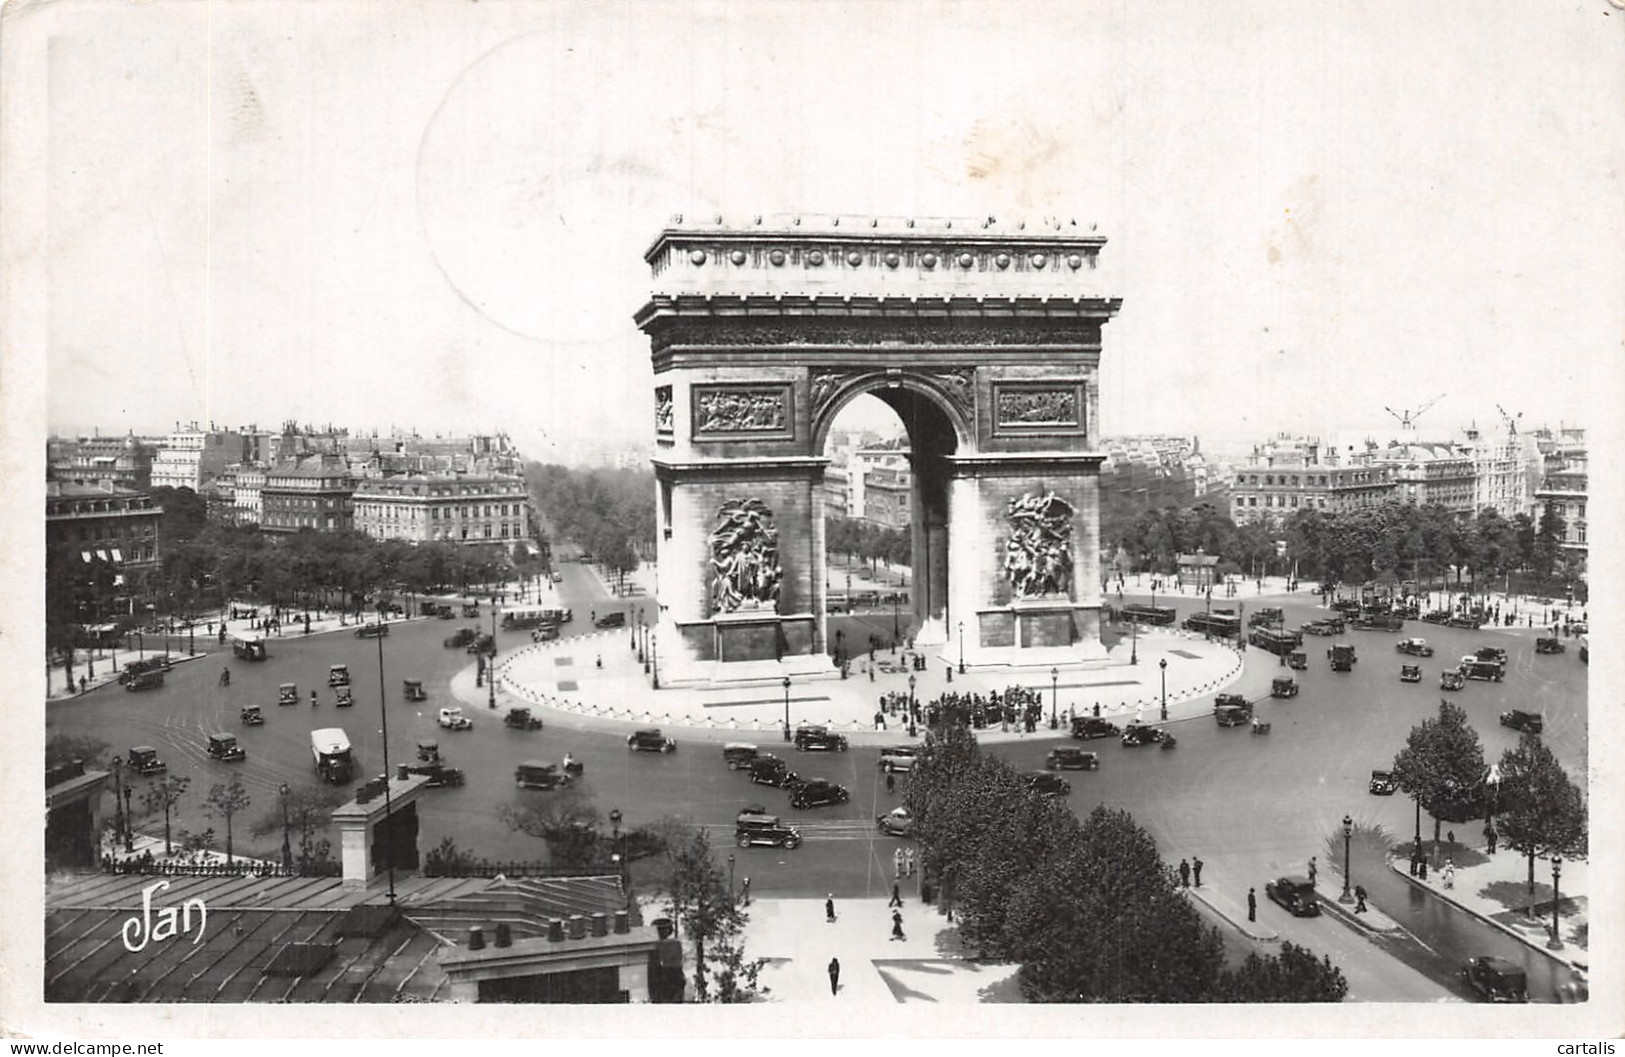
column 1144, row 614
column 1223, row 624
column 1276, row 640
column 248, row 647
column 525, row 617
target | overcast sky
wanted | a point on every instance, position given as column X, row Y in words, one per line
column 434, row 215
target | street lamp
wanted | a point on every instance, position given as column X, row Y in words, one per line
column 631, row 635
column 896, row 629
column 287, row 850
column 961, row 647
column 730, row 877
column 1348, row 834
column 1054, row 698
column 491, row 664
column 1556, row 943
column 911, row 699
column 654, row 658
column 1134, row 641
column 129, row 819
column 787, row 708
column 118, row 799
column 1163, row 664
column 1416, row 841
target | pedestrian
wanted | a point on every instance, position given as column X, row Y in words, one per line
column 1359, row 899
column 83, row 683
column 1196, row 870
column 908, row 861
column 600, row 660
column 891, row 782
column 744, row 893
column 897, row 864
column 834, row 974
column 1252, row 905
column 896, row 897
column 1449, row 872
column 1184, row 874
column 1422, row 869
column 1314, row 871
column 897, row 925
column 829, row 909
column 1490, row 837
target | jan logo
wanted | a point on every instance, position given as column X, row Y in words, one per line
column 169, row 923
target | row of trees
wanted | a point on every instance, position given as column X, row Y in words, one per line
column 1154, row 538
column 609, row 513
column 1538, row 809
column 868, row 542
column 1087, row 907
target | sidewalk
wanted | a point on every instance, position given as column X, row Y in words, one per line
column 1216, row 895
column 1495, row 889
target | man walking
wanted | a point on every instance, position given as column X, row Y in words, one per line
column 896, row 897
column 1252, row 905
column 1490, row 837
column 829, row 909
column 1359, row 899
column 897, row 925
column 897, row 864
column 1196, row 869
column 834, row 974
column 1313, row 871
column 908, row 861
column 1184, row 874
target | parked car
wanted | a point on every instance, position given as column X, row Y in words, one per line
column 898, row 758
column 650, row 740
column 898, row 822
column 765, row 830
column 538, row 774
column 1496, row 979
column 251, row 715
column 224, row 747
column 1414, row 647
column 520, row 718
column 1067, row 758
column 1045, row 784
column 739, row 755
column 1087, row 727
column 1549, row 645
column 372, row 631
column 143, row 760
column 414, row 689
column 338, row 675
column 819, row 739
column 819, row 792
column 1410, row 673
column 1296, row 894
column 616, row 619
column 1383, row 783
column 287, row 694
column 1449, row 679
column 768, row 769
column 1283, row 686
column 1522, row 721
column 453, row 719
column 461, row 638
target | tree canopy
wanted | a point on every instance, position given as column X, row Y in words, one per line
column 1442, row 764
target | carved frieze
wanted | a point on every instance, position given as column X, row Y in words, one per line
column 825, row 384
column 751, row 410
column 1039, row 408
column 664, row 414
column 841, row 332
column 959, row 384
column 745, row 572
column 1038, row 553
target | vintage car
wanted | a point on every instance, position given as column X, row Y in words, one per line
column 520, row 718
column 1450, row 679
column 1067, row 758
column 453, row 719
column 1414, row 647
column 760, row 828
column 1230, row 700
column 544, row 633
column 650, row 740
column 372, row 631
column 898, row 758
column 819, row 739
column 819, row 792
column 428, row 750
column 1383, row 783
column 1296, row 894
column 1436, row 616
column 1377, row 622
column 1298, row 661
column 739, row 755
column 446, row 611
column 143, row 760
column 482, row 644
column 149, row 680
column 537, row 774
column 287, row 694
column 768, row 769
column 1549, row 645
column 1496, row 979
column 1410, row 673
column 616, row 619
column 471, row 609
column 413, row 689
column 342, row 697
column 1465, row 620
column 224, row 747
column 1488, row 671
column 1317, row 627
column 1233, row 715
column 461, row 638
column 1045, row 784
column 1087, row 727
column 1137, row 734
column 1265, row 615
column 338, row 675
column 1283, row 686
column 438, row 773
column 251, row 715
column 898, row 822
column 1491, row 653
column 1342, row 657
column 1523, row 721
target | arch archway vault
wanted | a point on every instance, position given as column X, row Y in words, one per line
column 987, row 343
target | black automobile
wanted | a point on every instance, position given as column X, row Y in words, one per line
column 143, row 760
column 1137, row 734
column 224, row 747
column 1522, row 721
column 819, row 739
column 819, row 792
column 1317, row 627
column 1549, row 645
column 1087, row 727
column 766, row 830
column 1298, row 661
column 770, row 770
column 650, row 740
column 1265, row 615
column 1283, row 686
column 251, row 715
column 539, row 774
column 1233, row 715
column 145, row 681
column 462, row 638
column 1296, row 894
column 1045, row 784
column 1066, row 758
column 739, row 755
column 372, row 631
column 897, row 822
column 1414, row 647
column 616, row 619
column 1496, row 979
column 1491, row 653
column 1450, row 679
column 520, row 718
column 1230, row 701
column 1410, row 673
column 439, row 774
column 483, row 643
column 1383, row 783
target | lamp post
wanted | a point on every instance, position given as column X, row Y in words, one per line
column 961, row 647
column 911, row 698
column 1556, row 942
column 631, row 633
column 118, row 800
column 1134, row 641
column 654, row 658
column 1162, row 664
column 491, row 665
column 787, row 708
column 1416, row 840
column 896, row 629
column 287, row 850
column 730, row 877
column 1348, row 835
column 637, row 633
column 129, row 819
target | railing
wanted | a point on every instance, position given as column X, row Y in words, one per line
column 237, row 869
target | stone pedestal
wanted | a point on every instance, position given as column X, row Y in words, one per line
column 750, row 635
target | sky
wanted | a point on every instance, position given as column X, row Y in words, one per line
column 433, row 215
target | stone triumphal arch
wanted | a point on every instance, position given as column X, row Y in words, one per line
column 984, row 339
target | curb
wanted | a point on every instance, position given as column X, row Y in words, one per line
column 1251, row 929
column 1353, row 920
column 1393, row 864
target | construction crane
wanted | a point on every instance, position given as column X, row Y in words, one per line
column 1511, row 420
column 1407, row 419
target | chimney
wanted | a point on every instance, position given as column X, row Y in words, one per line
column 402, row 772
column 663, row 927
column 476, row 938
column 555, row 931
column 623, row 923
column 600, row 924
column 578, row 926
column 504, row 936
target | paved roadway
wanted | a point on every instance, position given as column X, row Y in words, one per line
column 1251, row 807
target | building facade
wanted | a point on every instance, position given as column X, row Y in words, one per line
column 315, row 493
column 453, row 508
column 104, row 521
column 1291, row 474
column 1564, row 492
column 126, row 461
column 193, row 457
column 1439, row 474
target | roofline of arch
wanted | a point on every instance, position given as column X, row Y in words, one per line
column 881, row 306
column 1037, row 240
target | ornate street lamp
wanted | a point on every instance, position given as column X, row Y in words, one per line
column 961, row 647
column 896, row 629
column 129, row 819
column 1416, row 840
column 1054, row 698
column 631, row 633
column 654, row 658
column 787, row 708
column 1134, row 641
column 287, row 849
column 1348, row 835
column 491, row 665
column 1556, row 942
column 1163, row 664
column 118, row 799
column 730, row 877
column 911, row 698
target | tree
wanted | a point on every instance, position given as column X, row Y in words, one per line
column 1442, row 763
column 1548, row 545
column 65, row 748
column 224, row 801
column 566, row 822
column 163, row 795
column 1293, row 975
column 309, row 813
column 1546, row 812
column 703, row 905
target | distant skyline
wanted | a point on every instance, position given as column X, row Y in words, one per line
column 282, row 211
